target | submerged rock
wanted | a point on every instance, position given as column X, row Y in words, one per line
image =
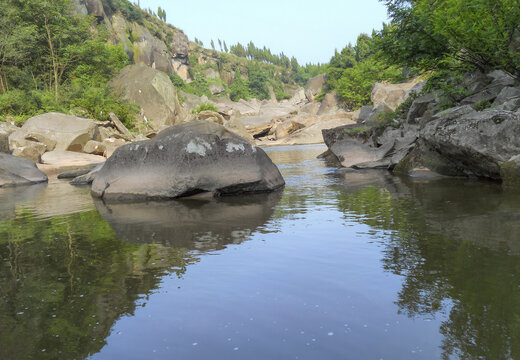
column 16, row 171
column 183, row 160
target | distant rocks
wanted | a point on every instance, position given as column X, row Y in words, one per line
column 183, row 160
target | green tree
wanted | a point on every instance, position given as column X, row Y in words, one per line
column 239, row 89
column 258, row 82
column 482, row 34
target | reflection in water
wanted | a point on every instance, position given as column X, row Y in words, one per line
column 65, row 280
column 457, row 245
column 191, row 224
column 340, row 265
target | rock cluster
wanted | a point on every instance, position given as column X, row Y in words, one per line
column 478, row 137
column 54, row 135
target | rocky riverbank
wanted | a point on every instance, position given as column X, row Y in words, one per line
column 476, row 137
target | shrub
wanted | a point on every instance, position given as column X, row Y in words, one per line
column 204, row 107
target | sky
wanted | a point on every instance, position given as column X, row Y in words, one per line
column 307, row 30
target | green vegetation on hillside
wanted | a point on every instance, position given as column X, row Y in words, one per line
column 353, row 71
column 54, row 60
column 292, row 71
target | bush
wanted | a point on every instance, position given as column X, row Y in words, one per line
column 204, row 107
column 482, row 105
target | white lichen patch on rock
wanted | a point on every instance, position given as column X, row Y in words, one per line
column 231, row 147
column 198, row 146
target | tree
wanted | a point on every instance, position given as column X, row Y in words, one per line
column 239, row 89
column 482, row 34
column 225, row 47
column 212, row 44
column 258, row 82
column 220, row 45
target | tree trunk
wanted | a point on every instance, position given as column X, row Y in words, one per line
column 53, row 58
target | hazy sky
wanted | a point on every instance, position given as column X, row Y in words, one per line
column 308, row 30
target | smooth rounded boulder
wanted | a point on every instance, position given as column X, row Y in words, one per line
column 184, row 160
column 15, row 171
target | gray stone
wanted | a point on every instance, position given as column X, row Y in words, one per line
column 508, row 93
column 474, row 144
column 194, row 157
column 153, row 91
column 501, row 79
column 490, row 93
column 329, row 104
column 57, row 131
column 419, row 107
column 392, row 95
column 15, row 171
column 6, row 129
column 120, row 127
column 216, row 89
column 95, row 148
column 150, row 51
column 87, row 178
column 314, row 86
column 374, row 118
column 71, row 174
column 32, row 151
column 510, row 105
column 364, row 113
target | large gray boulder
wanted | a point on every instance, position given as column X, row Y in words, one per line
column 153, row 91
column 15, row 171
column 56, row 131
column 183, row 160
column 475, row 143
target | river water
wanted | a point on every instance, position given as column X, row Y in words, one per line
column 338, row 265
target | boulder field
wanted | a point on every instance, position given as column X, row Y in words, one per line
column 464, row 141
column 183, row 160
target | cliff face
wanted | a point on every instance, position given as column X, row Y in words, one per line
column 146, row 39
column 154, row 43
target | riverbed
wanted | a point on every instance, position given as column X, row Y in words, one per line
column 341, row 264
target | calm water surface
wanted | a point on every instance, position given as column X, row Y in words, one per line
column 339, row 265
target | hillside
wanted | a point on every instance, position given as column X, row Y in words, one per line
column 61, row 55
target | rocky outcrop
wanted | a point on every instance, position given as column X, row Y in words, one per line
column 391, row 95
column 460, row 141
column 183, row 160
column 315, row 86
column 51, row 131
column 474, row 144
column 15, row 171
column 153, row 91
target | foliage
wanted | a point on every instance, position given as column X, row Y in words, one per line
column 204, row 107
column 353, row 72
column 239, row 89
column 64, row 66
column 449, row 85
column 453, row 34
column 258, row 82
column 482, row 105
column 357, row 130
